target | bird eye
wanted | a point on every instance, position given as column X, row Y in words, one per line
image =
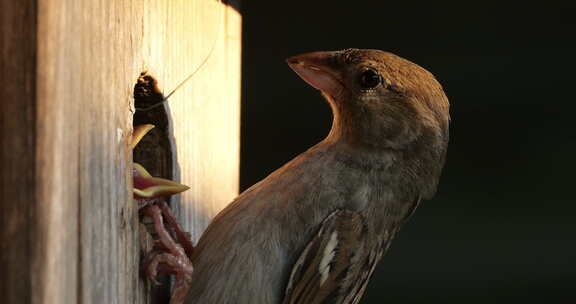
column 370, row 79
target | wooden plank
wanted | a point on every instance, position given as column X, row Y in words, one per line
column 87, row 63
column 17, row 134
column 65, row 127
column 205, row 111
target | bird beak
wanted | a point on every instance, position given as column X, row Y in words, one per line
column 318, row 70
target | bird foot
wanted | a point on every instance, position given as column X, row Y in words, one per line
column 172, row 251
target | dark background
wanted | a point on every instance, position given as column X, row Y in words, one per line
column 501, row 228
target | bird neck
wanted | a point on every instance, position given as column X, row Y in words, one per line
column 369, row 130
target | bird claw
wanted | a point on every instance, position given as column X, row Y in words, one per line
column 152, row 270
column 149, row 267
column 169, row 256
column 169, row 264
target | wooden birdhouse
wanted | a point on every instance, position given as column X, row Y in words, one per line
column 69, row 228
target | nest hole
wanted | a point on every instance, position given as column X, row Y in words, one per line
column 154, row 152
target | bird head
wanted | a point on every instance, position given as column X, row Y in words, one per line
column 378, row 99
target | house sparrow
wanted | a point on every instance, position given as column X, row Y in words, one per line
column 314, row 230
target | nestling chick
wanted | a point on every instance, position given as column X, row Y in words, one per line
column 314, row 230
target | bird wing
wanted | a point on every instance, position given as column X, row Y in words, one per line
column 335, row 265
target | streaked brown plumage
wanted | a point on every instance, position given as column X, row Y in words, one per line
column 313, row 231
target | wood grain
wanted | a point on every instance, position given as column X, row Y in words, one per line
column 17, row 137
column 66, row 206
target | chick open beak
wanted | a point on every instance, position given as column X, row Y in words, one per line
column 318, row 70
